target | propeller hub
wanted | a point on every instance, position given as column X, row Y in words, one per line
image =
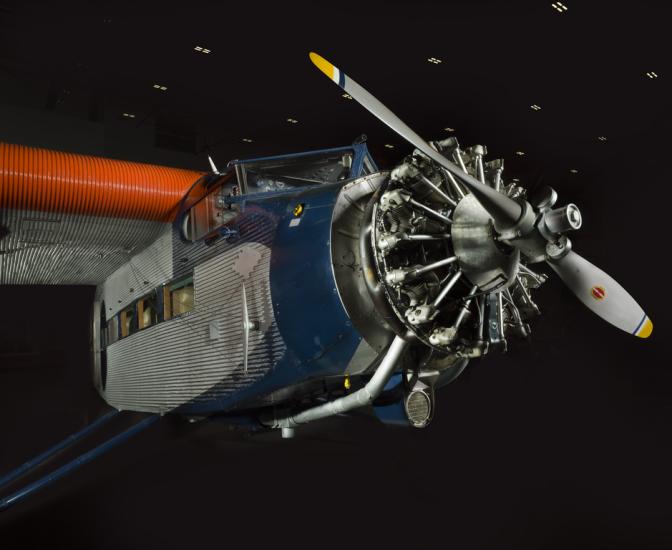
column 560, row 220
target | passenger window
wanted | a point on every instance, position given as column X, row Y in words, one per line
column 147, row 312
column 182, row 296
column 128, row 321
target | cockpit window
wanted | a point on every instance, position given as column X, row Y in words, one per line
column 205, row 208
column 209, row 210
column 288, row 173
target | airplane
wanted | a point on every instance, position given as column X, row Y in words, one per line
column 286, row 289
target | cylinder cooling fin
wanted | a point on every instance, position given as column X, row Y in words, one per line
column 454, row 286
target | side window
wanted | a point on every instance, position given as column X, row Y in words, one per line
column 129, row 321
column 181, row 294
column 147, row 311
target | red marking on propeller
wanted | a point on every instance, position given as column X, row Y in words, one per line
column 598, row 292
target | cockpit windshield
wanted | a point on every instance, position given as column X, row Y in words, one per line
column 296, row 171
column 205, row 208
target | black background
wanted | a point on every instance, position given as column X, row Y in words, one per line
column 561, row 443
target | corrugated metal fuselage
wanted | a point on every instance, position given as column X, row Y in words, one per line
column 278, row 272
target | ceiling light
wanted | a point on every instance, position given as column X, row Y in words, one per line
column 574, row 171
column 389, row 146
column 559, row 7
column 247, row 140
column 201, row 49
column 346, row 96
column 160, row 87
column 128, row 115
column 651, row 74
column 292, row 120
column 447, row 129
column 520, row 153
column 434, row 60
column 535, row 107
column 602, row 138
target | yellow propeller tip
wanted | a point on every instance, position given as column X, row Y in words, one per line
column 646, row 329
column 324, row 66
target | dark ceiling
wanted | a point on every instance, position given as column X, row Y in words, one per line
column 585, row 67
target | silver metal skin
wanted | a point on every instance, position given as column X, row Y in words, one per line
column 360, row 398
column 50, row 248
column 177, row 361
column 349, row 221
column 480, row 258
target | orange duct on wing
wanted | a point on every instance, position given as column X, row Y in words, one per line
column 50, row 181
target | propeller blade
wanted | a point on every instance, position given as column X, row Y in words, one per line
column 504, row 210
column 601, row 294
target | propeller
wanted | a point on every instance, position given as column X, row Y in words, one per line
column 602, row 294
column 597, row 290
column 504, row 210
